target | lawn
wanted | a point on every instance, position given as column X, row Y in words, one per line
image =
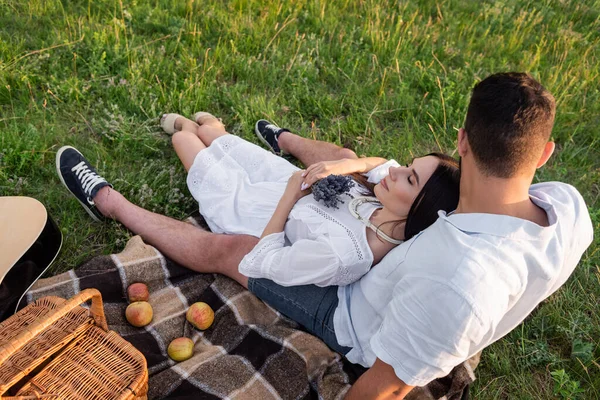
column 385, row 78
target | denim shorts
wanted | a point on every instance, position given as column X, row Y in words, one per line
column 311, row 306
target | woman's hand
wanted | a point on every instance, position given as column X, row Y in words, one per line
column 293, row 190
column 292, row 194
column 323, row 169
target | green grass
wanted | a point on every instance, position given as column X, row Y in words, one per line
column 383, row 78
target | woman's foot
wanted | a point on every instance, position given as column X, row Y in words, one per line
column 204, row 118
column 172, row 123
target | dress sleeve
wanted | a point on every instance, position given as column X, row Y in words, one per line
column 304, row 262
column 428, row 328
column 381, row 171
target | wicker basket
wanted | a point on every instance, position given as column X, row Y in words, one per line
column 56, row 349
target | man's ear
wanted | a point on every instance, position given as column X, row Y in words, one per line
column 463, row 142
column 548, row 150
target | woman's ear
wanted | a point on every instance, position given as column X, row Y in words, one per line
column 463, row 142
column 548, row 150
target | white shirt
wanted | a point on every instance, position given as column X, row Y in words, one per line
column 460, row 285
column 320, row 245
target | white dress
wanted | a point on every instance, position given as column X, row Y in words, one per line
column 238, row 186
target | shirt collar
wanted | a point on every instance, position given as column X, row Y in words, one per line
column 504, row 225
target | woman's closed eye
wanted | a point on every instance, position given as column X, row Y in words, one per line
column 408, row 179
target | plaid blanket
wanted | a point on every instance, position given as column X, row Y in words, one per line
column 250, row 352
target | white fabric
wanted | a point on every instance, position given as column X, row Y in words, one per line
column 460, row 285
column 238, row 185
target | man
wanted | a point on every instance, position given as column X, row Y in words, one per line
column 453, row 289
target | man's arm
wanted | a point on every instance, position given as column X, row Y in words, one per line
column 345, row 166
column 379, row 382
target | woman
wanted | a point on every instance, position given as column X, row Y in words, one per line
column 244, row 189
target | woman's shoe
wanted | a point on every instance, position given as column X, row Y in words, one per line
column 167, row 122
column 204, row 118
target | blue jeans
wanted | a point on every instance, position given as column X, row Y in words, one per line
column 311, row 306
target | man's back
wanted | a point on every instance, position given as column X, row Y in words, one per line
column 460, row 285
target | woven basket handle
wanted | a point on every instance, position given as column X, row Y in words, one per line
column 96, row 311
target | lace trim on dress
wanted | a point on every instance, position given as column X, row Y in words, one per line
column 348, row 278
column 252, row 262
column 351, row 235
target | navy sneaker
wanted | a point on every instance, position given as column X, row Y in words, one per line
column 78, row 175
column 268, row 133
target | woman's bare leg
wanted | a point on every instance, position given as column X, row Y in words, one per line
column 209, row 119
column 209, row 128
column 184, row 243
column 310, row 151
column 187, row 145
column 191, row 138
column 207, row 133
column 186, row 141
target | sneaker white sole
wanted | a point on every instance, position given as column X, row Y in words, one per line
column 85, row 207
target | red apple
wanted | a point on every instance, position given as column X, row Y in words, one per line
column 200, row 315
column 137, row 292
column 139, row 313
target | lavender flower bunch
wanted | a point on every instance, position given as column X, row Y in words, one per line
column 330, row 189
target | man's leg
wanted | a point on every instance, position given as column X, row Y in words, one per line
column 184, row 243
column 310, row 151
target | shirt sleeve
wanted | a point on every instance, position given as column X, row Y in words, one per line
column 428, row 329
column 378, row 173
column 304, row 262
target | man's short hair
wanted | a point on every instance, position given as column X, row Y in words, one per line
column 509, row 121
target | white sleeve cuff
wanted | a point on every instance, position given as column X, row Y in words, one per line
column 384, row 355
column 250, row 265
column 381, row 171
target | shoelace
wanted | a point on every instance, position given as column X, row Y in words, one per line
column 273, row 128
column 88, row 178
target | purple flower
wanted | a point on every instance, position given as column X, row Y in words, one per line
column 329, row 189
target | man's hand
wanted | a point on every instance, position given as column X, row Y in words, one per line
column 345, row 166
column 379, row 382
column 323, row 169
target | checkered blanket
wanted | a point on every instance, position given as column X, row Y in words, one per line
column 250, row 352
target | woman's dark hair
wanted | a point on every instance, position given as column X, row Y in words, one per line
column 440, row 192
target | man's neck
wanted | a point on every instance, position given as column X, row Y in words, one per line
column 490, row 195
